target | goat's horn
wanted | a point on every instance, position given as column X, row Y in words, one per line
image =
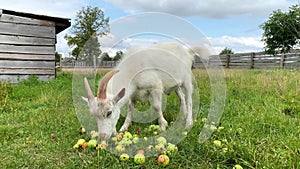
column 88, row 89
column 103, row 84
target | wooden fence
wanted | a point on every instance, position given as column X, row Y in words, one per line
column 258, row 60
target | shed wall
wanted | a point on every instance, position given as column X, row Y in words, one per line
column 27, row 47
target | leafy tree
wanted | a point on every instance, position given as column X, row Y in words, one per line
column 226, row 50
column 118, row 56
column 57, row 57
column 106, row 57
column 89, row 24
column 282, row 30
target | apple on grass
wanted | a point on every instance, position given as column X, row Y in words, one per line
column 80, row 141
column 127, row 134
column 171, row 148
column 163, row 160
column 84, row 145
column 124, row 157
column 120, row 148
column 92, row 143
column 103, row 145
column 139, row 158
column 161, row 140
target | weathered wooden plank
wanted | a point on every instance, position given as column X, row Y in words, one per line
column 27, row 49
column 24, row 20
column 17, row 78
column 27, row 30
column 26, row 64
column 27, row 71
column 24, row 57
column 292, row 59
column 24, row 40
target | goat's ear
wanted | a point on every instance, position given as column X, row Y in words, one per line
column 120, row 95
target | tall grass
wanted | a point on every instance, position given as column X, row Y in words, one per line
column 38, row 125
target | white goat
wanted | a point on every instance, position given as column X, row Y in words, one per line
column 142, row 74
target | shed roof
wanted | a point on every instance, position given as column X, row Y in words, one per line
column 60, row 23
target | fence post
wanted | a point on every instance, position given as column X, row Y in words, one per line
column 252, row 60
column 282, row 60
column 227, row 61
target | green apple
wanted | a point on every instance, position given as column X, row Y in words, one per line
column 95, row 134
column 76, row 146
column 139, row 158
column 171, row 148
column 125, row 141
column 80, row 141
column 124, row 157
column 92, row 143
column 161, row 140
column 237, row 166
column 163, row 160
column 127, row 134
column 217, row 143
column 135, row 140
column 114, row 139
column 120, row 148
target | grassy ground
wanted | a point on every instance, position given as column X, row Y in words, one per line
column 261, row 125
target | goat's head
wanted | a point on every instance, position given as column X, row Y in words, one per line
column 103, row 106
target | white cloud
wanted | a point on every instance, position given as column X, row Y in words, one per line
column 237, row 44
column 58, row 8
column 211, row 8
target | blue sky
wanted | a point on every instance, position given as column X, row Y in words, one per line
column 230, row 23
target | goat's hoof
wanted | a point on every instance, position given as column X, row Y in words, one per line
column 163, row 126
column 123, row 129
column 189, row 125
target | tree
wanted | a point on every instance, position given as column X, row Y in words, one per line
column 282, row 30
column 106, row 57
column 226, row 50
column 89, row 24
column 118, row 56
column 57, row 57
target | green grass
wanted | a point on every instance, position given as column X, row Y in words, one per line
column 261, row 125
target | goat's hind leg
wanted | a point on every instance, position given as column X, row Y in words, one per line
column 157, row 104
column 189, row 103
column 128, row 119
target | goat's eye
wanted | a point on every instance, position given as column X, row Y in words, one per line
column 108, row 113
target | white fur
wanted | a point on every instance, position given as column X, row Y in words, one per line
column 149, row 73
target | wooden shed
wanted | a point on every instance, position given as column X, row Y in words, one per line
column 27, row 45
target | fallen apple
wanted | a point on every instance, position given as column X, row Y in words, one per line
column 139, row 158
column 161, row 140
column 163, row 160
column 80, row 141
column 124, row 157
column 92, row 143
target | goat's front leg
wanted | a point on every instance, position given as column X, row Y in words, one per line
column 128, row 119
column 157, row 104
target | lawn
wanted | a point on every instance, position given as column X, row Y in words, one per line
column 261, row 125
